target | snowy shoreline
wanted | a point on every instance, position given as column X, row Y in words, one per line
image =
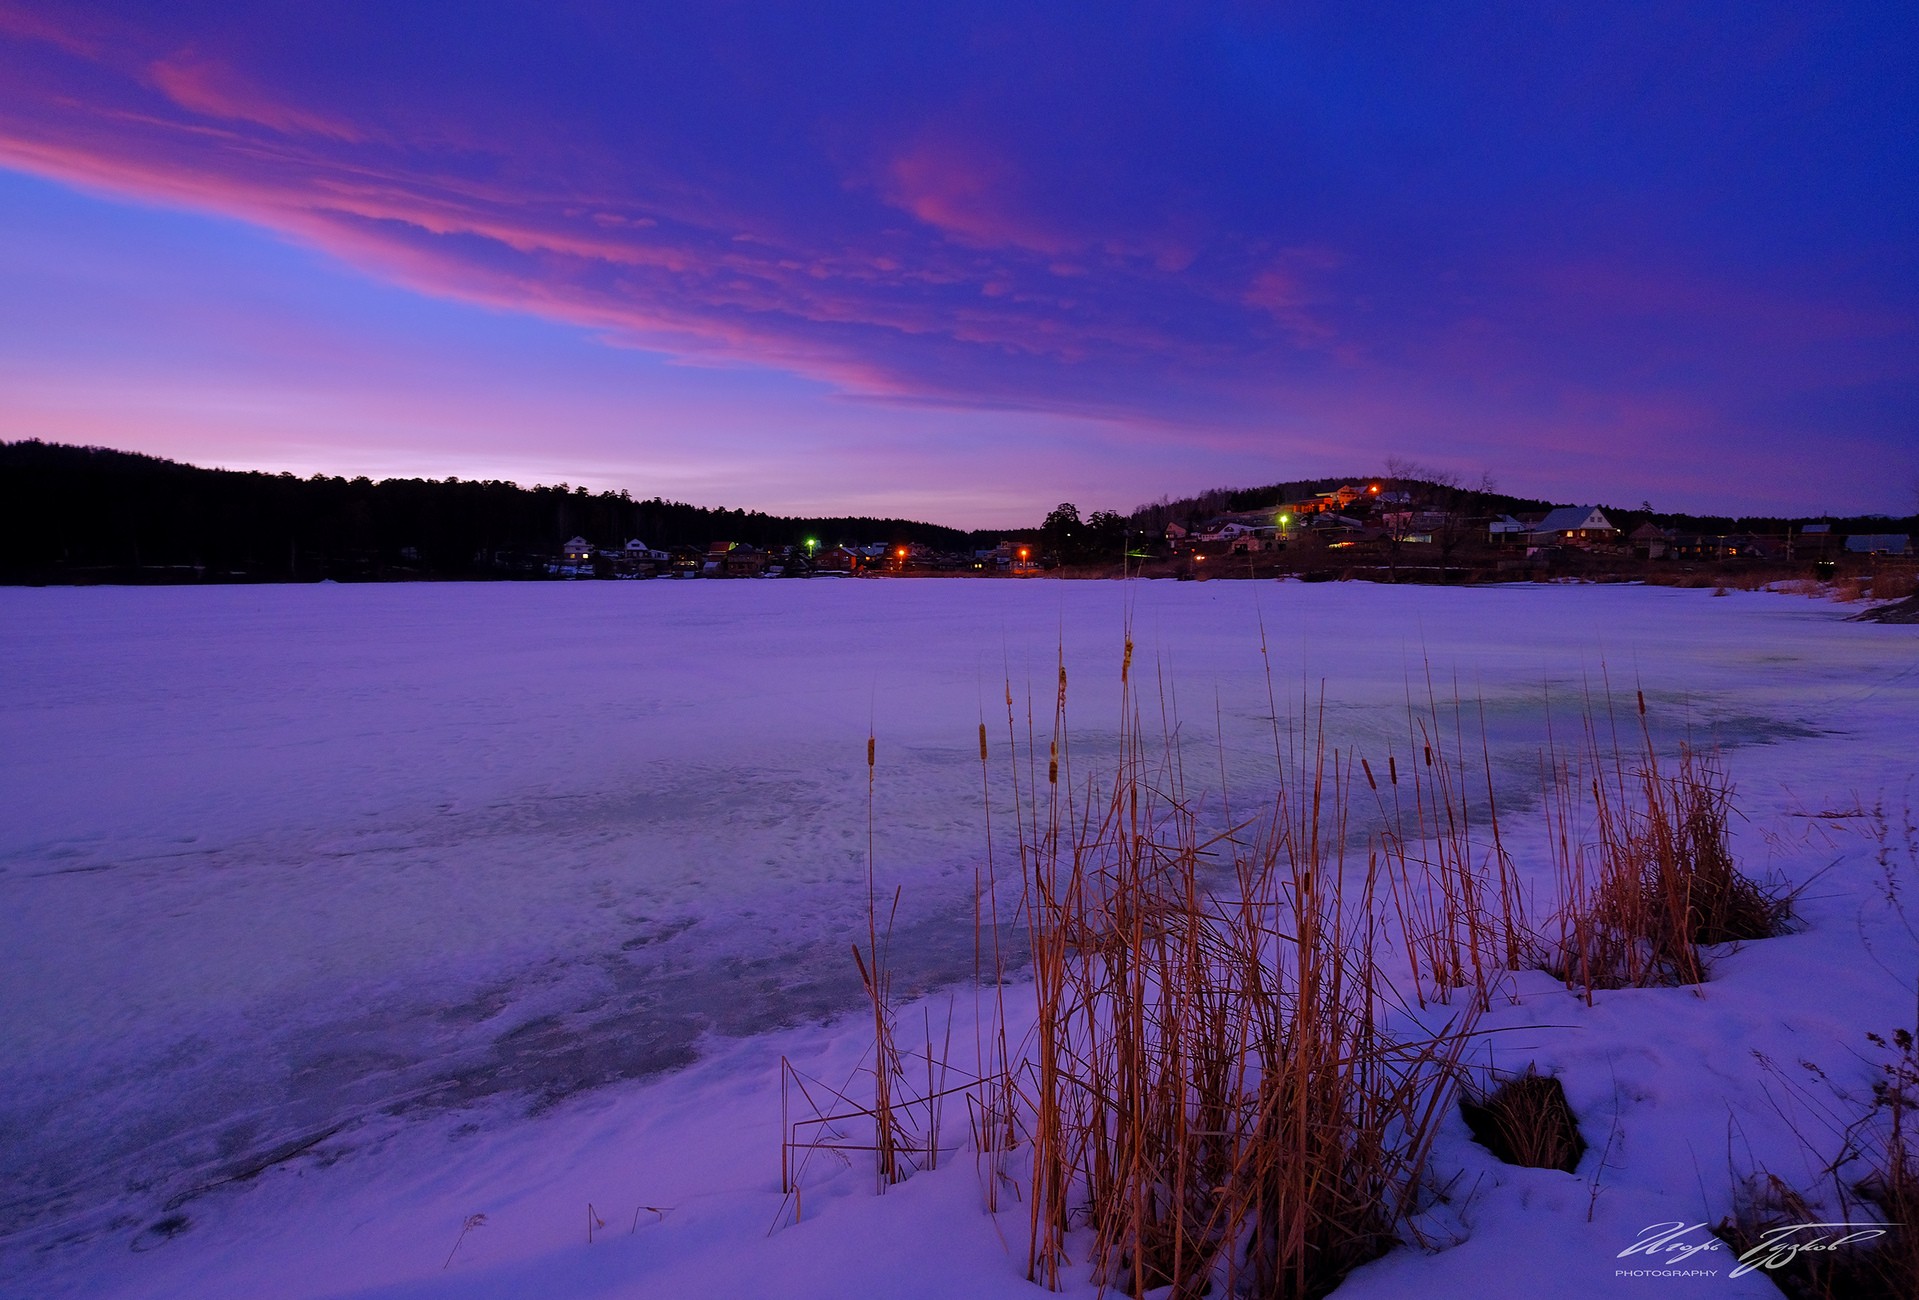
column 283, row 842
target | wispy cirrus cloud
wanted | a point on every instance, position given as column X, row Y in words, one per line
column 214, row 89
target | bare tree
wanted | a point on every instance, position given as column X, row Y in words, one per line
column 1451, row 506
column 1459, row 514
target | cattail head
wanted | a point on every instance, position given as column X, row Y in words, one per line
column 869, row 752
column 982, row 742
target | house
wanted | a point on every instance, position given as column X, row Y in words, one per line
column 1332, row 502
column 1650, row 541
column 635, row 560
column 1344, row 525
column 1818, row 542
column 839, row 561
column 1721, row 546
column 576, row 560
column 1878, row 544
column 742, row 561
column 1573, row 526
column 849, row 559
column 1015, row 552
column 1506, row 529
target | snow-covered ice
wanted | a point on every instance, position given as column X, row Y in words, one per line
column 334, row 915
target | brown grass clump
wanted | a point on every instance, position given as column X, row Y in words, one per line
column 1895, row 584
column 1657, row 881
column 1213, row 1089
column 1524, row 1119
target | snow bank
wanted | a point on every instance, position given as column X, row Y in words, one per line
column 337, row 915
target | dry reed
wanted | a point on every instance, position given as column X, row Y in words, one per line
column 1212, row 1089
column 1657, row 880
column 1219, row 1087
column 1455, row 892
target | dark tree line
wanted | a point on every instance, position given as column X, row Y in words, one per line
column 80, row 513
column 1100, row 538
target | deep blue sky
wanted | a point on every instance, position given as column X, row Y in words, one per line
column 966, row 261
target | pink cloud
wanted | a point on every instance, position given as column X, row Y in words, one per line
column 23, row 24
column 886, row 319
column 968, row 193
column 214, row 89
column 1290, row 290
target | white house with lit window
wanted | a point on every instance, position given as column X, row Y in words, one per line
column 1573, row 526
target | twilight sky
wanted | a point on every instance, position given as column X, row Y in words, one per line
column 964, row 261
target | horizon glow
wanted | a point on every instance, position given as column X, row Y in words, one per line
column 963, row 266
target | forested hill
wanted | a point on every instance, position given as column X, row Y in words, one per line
column 1426, row 487
column 69, row 513
column 1229, row 500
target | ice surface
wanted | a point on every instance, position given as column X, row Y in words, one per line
column 285, row 867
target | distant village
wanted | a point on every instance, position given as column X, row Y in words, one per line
column 1369, row 529
column 95, row 515
column 582, row 559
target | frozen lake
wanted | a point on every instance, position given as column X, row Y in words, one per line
column 275, row 861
